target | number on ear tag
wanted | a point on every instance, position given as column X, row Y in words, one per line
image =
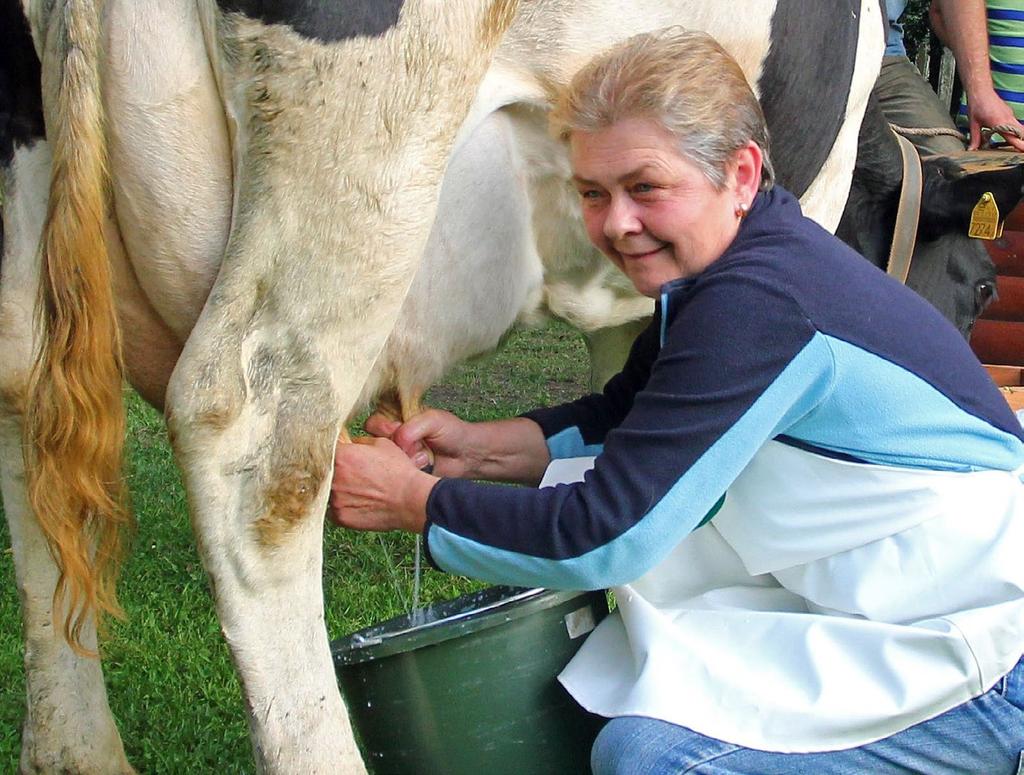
column 985, row 219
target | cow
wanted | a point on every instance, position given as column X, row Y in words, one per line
column 953, row 271
column 234, row 217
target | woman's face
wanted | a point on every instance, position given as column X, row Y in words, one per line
column 651, row 210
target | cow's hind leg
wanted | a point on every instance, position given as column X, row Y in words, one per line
column 313, row 276
column 255, row 449
column 68, row 726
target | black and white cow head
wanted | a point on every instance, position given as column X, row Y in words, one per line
column 950, row 194
column 951, row 270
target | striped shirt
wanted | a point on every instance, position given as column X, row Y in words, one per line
column 1006, row 54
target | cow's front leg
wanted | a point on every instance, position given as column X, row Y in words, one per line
column 255, row 446
column 608, row 349
column 68, row 725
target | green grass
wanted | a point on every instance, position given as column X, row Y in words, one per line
column 168, row 672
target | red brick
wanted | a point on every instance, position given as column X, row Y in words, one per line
column 999, row 341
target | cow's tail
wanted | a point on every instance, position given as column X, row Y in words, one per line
column 75, row 418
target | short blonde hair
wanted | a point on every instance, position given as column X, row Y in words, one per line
column 684, row 80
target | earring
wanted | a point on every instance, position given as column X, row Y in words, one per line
column 741, row 210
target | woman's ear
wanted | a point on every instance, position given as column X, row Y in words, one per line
column 746, row 171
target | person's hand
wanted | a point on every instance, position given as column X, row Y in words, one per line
column 986, row 109
column 433, row 433
column 377, row 487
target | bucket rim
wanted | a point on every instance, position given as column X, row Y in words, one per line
column 449, row 619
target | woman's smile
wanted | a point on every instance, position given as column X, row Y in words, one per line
column 635, row 254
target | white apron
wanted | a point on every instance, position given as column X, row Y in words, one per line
column 827, row 605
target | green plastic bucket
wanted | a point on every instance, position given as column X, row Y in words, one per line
column 467, row 687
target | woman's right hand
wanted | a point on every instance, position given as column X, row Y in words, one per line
column 432, row 432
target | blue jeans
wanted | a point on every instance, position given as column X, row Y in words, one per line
column 983, row 736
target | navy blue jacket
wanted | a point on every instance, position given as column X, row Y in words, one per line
column 789, row 335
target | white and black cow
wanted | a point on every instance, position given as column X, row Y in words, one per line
column 228, row 202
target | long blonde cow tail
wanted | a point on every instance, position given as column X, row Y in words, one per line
column 75, row 419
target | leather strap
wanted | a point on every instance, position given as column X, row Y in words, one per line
column 904, row 234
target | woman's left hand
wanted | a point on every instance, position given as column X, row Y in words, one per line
column 376, row 487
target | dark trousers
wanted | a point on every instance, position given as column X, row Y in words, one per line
column 907, row 100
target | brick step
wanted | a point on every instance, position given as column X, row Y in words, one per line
column 999, row 341
column 1009, row 380
column 1006, row 376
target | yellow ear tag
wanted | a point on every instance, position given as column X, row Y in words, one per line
column 985, row 219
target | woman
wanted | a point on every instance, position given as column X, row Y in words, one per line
column 806, row 488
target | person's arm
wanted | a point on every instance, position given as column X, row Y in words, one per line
column 962, row 26
column 518, row 450
column 511, row 450
column 377, row 487
column 937, row 23
column 379, row 484
column 740, row 364
column 378, row 481
column 579, row 427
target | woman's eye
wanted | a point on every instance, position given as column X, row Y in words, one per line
column 643, row 188
column 590, row 194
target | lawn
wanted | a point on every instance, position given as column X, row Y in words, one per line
column 168, row 672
